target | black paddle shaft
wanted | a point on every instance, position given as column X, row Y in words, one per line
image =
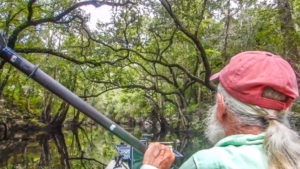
column 58, row 89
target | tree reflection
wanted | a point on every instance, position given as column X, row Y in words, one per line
column 62, row 149
column 76, row 141
column 85, row 146
column 45, row 155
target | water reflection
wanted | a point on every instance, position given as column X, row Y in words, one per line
column 80, row 147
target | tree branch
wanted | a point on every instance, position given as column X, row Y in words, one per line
column 66, row 57
column 200, row 17
column 128, row 86
column 54, row 19
column 186, row 71
column 98, row 94
column 153, row 75
column 30, row 11
column 196, row 41
column 10, row 18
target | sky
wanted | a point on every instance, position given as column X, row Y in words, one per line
column 102, row 14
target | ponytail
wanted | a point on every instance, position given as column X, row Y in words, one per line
column 281, row 144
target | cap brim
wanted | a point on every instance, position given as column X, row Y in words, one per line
column 214, row 77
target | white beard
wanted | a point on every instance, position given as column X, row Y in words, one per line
column 214, row 130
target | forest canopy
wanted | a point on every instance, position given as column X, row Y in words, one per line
column 152, row 60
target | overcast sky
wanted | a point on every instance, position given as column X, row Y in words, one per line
column 102, row 14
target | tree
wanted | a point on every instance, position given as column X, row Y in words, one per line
column 289, row 34
column 160, row 54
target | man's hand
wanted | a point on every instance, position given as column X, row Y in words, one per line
column 159, row 156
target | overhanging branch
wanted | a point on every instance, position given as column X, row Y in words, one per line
column 54, row 19
column 66, row 57
column 196, row 41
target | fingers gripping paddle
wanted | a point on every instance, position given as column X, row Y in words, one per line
column 58, row 89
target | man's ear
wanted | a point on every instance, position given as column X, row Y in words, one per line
column 221, row 110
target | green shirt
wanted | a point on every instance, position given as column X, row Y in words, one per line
column 244, row 151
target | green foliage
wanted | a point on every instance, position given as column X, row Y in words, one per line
column 121, row 105
column 147, row 62
column 143, row 63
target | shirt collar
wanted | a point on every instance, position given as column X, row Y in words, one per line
column 241, row 139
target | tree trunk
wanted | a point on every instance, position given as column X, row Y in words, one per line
column 288, row 31
column 227, row 24
column 5, row 80
column 4, row 136
column 62, row 149
column 48, row 104
column 61, row 115
column 45, row 154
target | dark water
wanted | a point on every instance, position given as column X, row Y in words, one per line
column 86, row 147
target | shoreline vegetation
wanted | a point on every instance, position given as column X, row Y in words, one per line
column 148, row 67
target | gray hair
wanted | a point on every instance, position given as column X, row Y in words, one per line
column 281, row 144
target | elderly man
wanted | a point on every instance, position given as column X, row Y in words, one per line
column 249, row 121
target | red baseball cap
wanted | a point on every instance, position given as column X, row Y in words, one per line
column 249, row 73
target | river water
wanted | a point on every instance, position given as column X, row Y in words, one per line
column 85, row 147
